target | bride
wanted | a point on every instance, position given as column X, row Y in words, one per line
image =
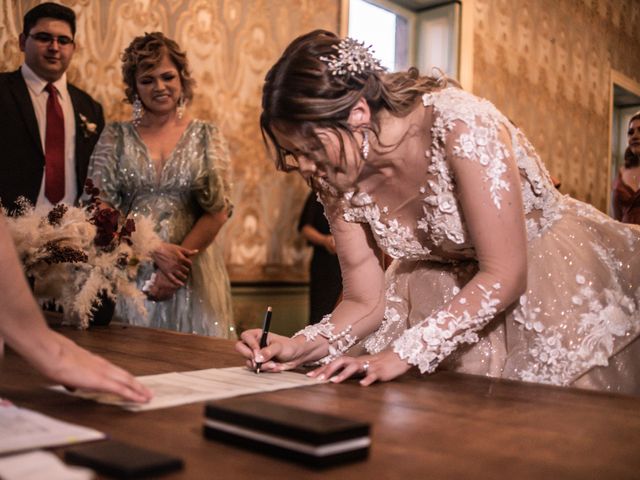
column 495, row 272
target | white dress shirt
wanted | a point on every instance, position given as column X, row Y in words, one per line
column 39, row 97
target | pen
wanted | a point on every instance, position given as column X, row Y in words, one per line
column 265, row 333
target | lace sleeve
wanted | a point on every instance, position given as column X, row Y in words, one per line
column 487, row 184
column 104, row 165
column 362, row 307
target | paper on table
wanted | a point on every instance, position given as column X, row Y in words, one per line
column 23, row 429
column 180, row 388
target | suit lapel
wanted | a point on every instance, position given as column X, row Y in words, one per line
column 83, row 145
column 23, row 100
column 75, row 101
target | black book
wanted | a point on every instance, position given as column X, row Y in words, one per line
column 312, row 438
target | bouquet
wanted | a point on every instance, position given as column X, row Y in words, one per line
column 77, row 255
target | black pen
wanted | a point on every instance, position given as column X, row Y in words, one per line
column 265, row 333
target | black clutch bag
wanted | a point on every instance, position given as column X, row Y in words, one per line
column 314, row 439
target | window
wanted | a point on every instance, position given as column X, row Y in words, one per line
column 439, row 39
column 385, row 27
column 404, row 33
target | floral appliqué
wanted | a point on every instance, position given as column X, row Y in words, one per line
column 428, row 343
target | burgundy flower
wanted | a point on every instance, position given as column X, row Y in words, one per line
column 93, row 192
column 106, row 222
column 90, row 189
column 127, row 229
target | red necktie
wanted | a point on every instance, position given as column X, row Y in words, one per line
column 54, row 148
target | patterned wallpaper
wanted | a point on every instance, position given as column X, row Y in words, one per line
column 546, row 64
column 230, row 45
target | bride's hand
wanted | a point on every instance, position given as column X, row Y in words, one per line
column 174, row 261
column 382, row 367
column 281, row 353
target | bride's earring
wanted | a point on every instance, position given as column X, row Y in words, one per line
column 364, row 149
column 182, row 105
column 138, row 111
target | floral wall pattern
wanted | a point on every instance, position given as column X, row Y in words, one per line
column 230, row 44
column 547, row 64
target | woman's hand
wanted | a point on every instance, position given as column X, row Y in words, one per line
column 174, row 261
column 162, row 288
column 382, row 367
column 330, row 244
column 65, row 362
column 281, row 353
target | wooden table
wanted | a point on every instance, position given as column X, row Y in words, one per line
column 444, row 426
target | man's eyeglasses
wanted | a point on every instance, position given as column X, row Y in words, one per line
column 44, row 37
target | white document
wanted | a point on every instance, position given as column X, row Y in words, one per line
column 23, row 429
column 180, row 388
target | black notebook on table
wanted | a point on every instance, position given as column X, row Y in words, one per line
column 308, row 437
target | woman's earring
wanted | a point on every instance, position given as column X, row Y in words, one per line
column 182, row 105
column 364, row 149
column 138, row 111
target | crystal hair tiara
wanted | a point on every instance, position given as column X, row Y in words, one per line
column 352, row 58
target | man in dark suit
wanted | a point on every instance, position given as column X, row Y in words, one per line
column 48, row 128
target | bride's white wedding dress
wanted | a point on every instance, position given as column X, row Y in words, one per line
column 438, row 207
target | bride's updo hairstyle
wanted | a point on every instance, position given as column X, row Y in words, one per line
column 302, row 91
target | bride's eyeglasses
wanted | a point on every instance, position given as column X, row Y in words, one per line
column 288, row 161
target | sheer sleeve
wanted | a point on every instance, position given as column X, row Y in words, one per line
column 488, row 186
column 212, row 186
column 362, row 307
column 104, row 165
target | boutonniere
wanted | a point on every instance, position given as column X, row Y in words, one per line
column 88, row 127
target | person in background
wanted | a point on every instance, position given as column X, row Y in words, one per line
column 48, row 127
column 494, row 273
column 626, row 188
column 173, row 169
column 23, row 327
column 325, row 281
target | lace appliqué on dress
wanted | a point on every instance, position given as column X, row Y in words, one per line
column 398, row 241
column 338, row 342
column 559, row 363
column 380, row 339
column 429, row 343
column 480, row 143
